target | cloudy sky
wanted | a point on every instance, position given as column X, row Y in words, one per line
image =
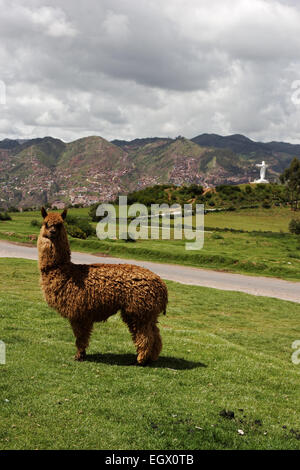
column 139, row 68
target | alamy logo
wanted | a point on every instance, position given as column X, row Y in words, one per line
column 2, row 93
column 2, row 353
column 160, row 222
column 296, row 354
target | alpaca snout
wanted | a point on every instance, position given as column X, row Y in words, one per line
column 53, row 234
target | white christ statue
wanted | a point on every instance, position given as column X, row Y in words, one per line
column 263, row 168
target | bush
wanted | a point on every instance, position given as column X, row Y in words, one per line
column 151, row 195
column 71, row 220
column 85, row 226
column 75, row 232
column 228, row 189
column 92, row 212
column 78, row 223
column 35, row 223
column 4, row 216
column 191, row 191
column 294, row 226
column 217, row 236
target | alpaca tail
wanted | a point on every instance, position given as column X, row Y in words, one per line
column 166, row 303
column 162, row 292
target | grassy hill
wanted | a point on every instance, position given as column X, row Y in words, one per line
column 89, row 151
column 225, row 368
column 222, row 197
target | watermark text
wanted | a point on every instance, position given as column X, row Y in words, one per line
column 2, row 352
column 296, row 353
column 160, row 221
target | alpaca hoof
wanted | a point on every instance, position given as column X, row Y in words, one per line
column 134, row 363
column 143, row 363
column 80, row 356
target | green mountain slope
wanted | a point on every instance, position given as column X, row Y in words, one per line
column 47, row 170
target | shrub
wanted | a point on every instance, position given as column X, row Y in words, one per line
column 228, row 189
column 294, row 226
column 4, row 216
column 191, row 191
column 217, row 236
column 262, row 187
column 92, row 213
column 85, row 226
column 71, row 220
column 35, row 223
column 78, row 223
column 75, row 232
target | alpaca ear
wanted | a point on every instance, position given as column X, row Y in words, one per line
column 64, row 214
column 43, row 212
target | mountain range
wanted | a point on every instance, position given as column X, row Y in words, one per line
column 91, row 169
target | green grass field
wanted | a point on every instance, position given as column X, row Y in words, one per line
column 275, row 219
column 222, row 351
column 269, row 254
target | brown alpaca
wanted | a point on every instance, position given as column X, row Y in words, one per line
column 88, row 293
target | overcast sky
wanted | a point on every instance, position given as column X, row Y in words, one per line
column 139, row 68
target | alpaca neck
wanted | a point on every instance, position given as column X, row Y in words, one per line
column 53, row 254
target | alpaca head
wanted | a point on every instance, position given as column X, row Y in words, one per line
column 52, row 227
column 53, row 245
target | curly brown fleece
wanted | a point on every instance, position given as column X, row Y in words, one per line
column 88, row 293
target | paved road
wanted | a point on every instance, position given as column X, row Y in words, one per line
column 255, row 285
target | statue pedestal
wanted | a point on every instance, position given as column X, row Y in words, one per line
column 261, row 180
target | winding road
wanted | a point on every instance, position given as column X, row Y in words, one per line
column 255, row 285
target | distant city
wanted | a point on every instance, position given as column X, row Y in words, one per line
column 92, row 169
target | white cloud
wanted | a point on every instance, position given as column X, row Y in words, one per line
column 133, row 68
column 115, row 28
column 52, row 20
column 32, row 19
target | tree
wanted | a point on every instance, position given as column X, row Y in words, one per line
column 291, row 178
column 294, row 226
column 92, row 212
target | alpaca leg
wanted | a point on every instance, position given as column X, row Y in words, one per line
column 144, row 336
column 144, row 340
column 132, row 327
column 82, row 332
column 157, row 344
